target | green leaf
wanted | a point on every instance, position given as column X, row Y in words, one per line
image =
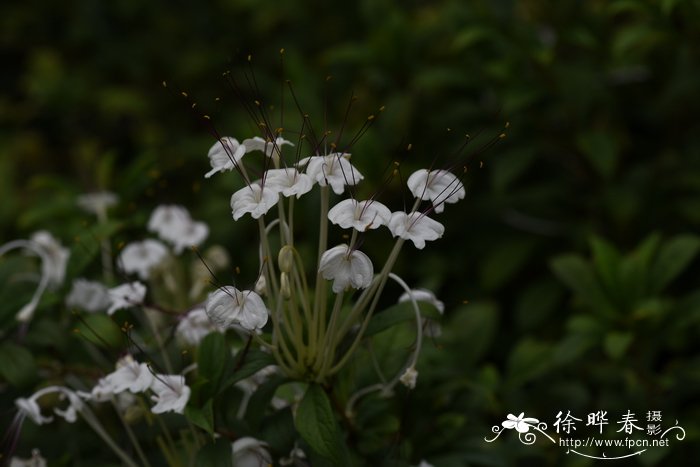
column 600, row 148
column 635, row 271
column 397, row 314
column 255, row 360
column 673, row 257
column 317, row 425
column 279, row 432
column 202, row 417
column 616, row 343
column 16, row 364
column 212, row 357
column 578, row 275
column 529, row 359
column 101, row 330
column 260, row 400
column 606, row 260
column 215, row 454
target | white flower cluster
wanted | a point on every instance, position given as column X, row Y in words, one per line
column 284, row 297
column 174, row 225
column 170, row 393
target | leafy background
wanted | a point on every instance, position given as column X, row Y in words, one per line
column 570, row 271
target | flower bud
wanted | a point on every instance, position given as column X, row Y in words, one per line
column 285, row 288
column 285, row 259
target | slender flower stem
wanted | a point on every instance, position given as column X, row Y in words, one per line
column 105, row 248
column 360, row 334
column 132, row 437
column 150, row 315
column 320, row 295
column 328, row 348
column 97, row 427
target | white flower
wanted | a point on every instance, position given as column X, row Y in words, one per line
column 520, row 423
column 416, row 227
column 360, row 215
column 141, row 257
column 259, row 144
column 228, row 306
column 97, row 203
column 334, row 170
column 30, row 408
column 173, row 224
column 288, row 182
column 131, row 375
column 126, row 296
column 253, row 199
column 424, row 463
column 439, row 186
column 250, row 452
column 224, row 155
column 194, row 327
column 346, row 268
column 171, row 393
column 35, row 461
column 57, row 255
column 432, row 328
column 409, row 378
column 88, row 295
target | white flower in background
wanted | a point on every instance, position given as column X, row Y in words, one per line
column 409, row 377
column 141, row 257
column 424, row 463
column 416, row 227
column 129, row 375
column 520, row 423
column 228, row 306
column 88, row 295
column 346, row 268
column 432, row 328
column 57, row 255
column 257, row 143
column 35, row 461
column 360, row 215
column 224, row 155
column 250, row 452
column 173, row 224
column 288, row 182
column 439, row 186
column 334, row 169
column 253, row 199
column 171, row 394
column 126, row 296
column 97, row 203
column 194, row 326
column 296, row 454
column 250, row 384
column 30, row 408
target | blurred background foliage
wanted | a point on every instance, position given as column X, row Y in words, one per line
column 570, row 272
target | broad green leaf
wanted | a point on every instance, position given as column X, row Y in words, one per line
column 215, row 454
column 476, row 323
column 397, row 314
column 279, row 432
column 99, row 329
column 578, row 275
column 254, row 361
column 606, row 260
column 635, row 271
column 212, row 357
column 316, row 423
column 600, row 148
column 260, row 400
column 674, row 256
column 202, row 417
column 616, row 343
column 529, row 359
column 17, row 365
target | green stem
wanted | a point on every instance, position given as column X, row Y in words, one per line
column 94, row 423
